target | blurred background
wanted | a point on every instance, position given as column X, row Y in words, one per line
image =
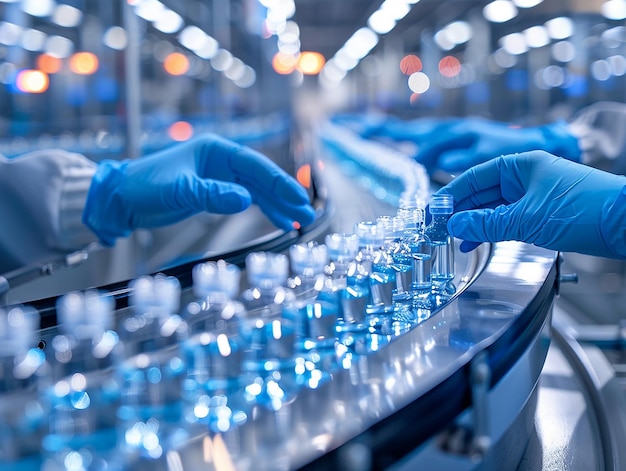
column 122, row 77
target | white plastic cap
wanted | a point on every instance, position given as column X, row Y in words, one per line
column 308, row 259
column 370, row 233
column 216, row 277
column 18, row 325
column 267, row 268
column 85, row 314
column 411, row 201
column 342, row 247
column 157, row 294
column 441, row 204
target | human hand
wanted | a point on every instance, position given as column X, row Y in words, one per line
column 208, row 173
column 416, row 131
column 541, row 199
column 456, row 145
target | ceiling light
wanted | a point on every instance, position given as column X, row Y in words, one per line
column 500, row 11
column 527, row 3
column 536, row 36
column 614, row 9
column 514, row 43
column 560, row 27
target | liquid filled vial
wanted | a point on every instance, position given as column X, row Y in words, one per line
column 442, row 269
column 268, row 331
column 151, row 373
column 212, row 351
column 403, row 316
column 350, row 281
column 22, row 415
column 382, row 276
column 416, row 245
column 81, row 393
column 312, row 287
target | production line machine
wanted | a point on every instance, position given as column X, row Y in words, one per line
column 492, row 379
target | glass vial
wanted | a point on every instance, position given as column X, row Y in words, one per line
column 151, row 373
column 22, row 416
column 442, row 270
column 81, row 392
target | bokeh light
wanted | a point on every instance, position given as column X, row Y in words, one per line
column 284, row 64
column 419, row 82
column 180, row 131
column 48, row 64
column 84, row 63
column 410, row 64
column 449, row 66
column 311, row 63
column 303, row 175
column 176, row 63
column 32, row 81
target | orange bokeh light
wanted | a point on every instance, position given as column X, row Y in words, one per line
column 176, row 63
column 32, row 81
column 311, row 63
column 84, row 63
column 180, row 131
column 284, row 63
column 449, row 66
column 48, row 64
column 410, row 64
column 303, row 175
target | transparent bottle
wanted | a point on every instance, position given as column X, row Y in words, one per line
column 268, row 330
column 403, row 316
column 350, row 282
column 81, row 392
column 22, row 416
column 417, row 246
column 382, row 276
column 212, row 393
column 318, row 310
column 151, row 373
column 317, row 315
column 442, row 268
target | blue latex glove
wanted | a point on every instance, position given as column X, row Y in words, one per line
column 417, row 131
column 207, row 173
column 541, row 199
column 457, row 145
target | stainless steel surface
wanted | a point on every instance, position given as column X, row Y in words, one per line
column 370, row 388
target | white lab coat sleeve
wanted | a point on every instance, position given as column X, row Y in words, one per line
column 601, row 132
column 42, row 196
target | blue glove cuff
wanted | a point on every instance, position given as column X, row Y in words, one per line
column 105, row 213
column 560, row 142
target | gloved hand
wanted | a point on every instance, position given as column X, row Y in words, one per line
column 207, row 173
column 457, row 145
column 541, row 199
column 417, row 131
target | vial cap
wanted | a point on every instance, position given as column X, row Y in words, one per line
column 18, row 325
column 370, row 233
column 267, row 268
column 393, row 226
column 411, row 218
column 309, row 258
column 216, row 277
column 159, row 294
column 85, row 314
column 411, row 201
column 342, row 247
column 441, row 204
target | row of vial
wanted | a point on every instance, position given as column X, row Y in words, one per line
column 115, row 393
